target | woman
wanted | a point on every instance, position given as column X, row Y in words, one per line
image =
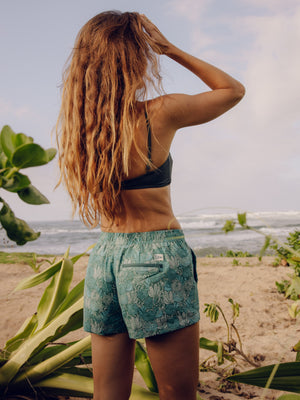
column 115, row 162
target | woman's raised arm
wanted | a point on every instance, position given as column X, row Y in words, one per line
column 185, row 110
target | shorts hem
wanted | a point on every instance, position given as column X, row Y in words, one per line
column 105, row 333
column 175, row 327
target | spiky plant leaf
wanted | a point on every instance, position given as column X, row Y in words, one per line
column 287, row 377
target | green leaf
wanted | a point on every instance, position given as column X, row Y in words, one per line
column 16, row 182
column 55, row 293
column 24, row 332
column 68, row 385
column 85, row 358
column 3, row 160
column 59, row 326
column 294, row 288
column 32, row 195
column 29, row 155
column 213, row 345
column 17, row 229
column 75, row 322
column 75, row 294
column 282, row 286
column 46, row 353
column 39, row 371
column 51, row 153
column 8, row 141
column 235, row 309
column 139, row 393
column 80, row 371
column 211, row 311
column 229, row 226
column 36, row 279
column 220, row 353
column 143, row 365
column 21, row 139
column 242, row 218
column 289, row 397
column 265, row 247
column 287, row 377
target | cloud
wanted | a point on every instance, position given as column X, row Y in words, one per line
column 190, row 9
column 274, row 6
column 250, row 156
column 272, row 72
column 8, row 110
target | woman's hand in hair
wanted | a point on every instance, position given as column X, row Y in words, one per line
column 162, row 45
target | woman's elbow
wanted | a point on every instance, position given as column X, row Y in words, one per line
column 240, row 91
column 236, row 94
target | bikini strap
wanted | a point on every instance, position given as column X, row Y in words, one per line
column 148, row 166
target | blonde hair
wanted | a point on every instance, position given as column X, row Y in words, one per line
column 112, row 65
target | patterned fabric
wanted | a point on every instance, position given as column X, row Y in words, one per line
column 142, row 283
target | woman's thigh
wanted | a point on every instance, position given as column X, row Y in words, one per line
column 113, row 363
column 174, row 358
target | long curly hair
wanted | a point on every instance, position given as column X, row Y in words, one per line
column 112, row 66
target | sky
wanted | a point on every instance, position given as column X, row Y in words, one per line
column 248, row 159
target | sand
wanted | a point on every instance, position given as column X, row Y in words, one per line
column 267, row 331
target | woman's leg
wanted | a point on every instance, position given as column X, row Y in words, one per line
column 174, row 358
column 113, row 362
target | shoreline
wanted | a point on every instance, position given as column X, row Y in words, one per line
column 265, row 327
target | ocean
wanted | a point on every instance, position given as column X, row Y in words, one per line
column 203, row 233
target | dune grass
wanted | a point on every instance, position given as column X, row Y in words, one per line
column 28, row 258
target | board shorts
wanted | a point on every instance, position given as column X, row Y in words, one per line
column 143, row 283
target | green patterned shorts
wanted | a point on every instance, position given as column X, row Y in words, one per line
column 143, row 283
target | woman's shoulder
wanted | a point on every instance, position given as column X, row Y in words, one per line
column 161, row 108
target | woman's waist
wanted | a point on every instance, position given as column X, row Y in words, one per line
column 124, row 239
column 141, row 222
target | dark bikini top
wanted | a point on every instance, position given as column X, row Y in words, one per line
column 158, row 177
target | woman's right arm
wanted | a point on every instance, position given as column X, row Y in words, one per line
column 185, row 110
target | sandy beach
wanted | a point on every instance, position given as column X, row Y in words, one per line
column 267, row 331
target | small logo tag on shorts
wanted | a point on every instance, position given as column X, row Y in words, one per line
column 158, row 257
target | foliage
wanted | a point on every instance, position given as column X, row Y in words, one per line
column 293, row 241
column 31, row 360
column 282, row 376
column 228, row 349
column 17, row 151
column 289, row 251
column 32, row 363
column 294, row 310
column 231, row 253
column 35, row 261
column 286, row 377
column 290, row 288
column 230, row 225
column 22, row 258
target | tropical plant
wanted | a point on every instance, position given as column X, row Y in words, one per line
column 289, row 251
column 294, row 310
column 281, row 376
column 35, row 365
column 293, row 241
column 232, row 253
column 228, row 349
column 17, row 151
column 290, row 288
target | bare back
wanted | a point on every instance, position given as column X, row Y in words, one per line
column 147, row 209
